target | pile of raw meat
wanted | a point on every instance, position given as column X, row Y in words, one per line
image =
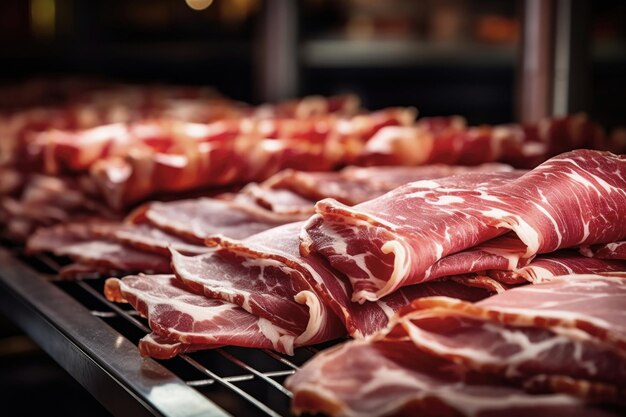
column 479, row 270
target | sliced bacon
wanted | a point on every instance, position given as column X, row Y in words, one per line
column 395, row 239
column 182, row 321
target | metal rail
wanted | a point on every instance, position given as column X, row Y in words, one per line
column 95, row 341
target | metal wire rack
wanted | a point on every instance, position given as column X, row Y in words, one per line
column 230, row 380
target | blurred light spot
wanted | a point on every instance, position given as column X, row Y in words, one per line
column 234, row 12
column 43, row 18
column 198, row 4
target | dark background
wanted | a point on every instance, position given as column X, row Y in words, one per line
column 444, row 57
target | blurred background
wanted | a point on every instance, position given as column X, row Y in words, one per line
column 444, row 57
column 490, row 61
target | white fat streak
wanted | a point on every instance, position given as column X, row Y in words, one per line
column 389, row 312
column 305, row 239
column 585, row 233
column 317, row 316
column 582, row 180
column 359, row 260
column 482, row 357
column 224, row 287
column 401, row 269
column 277, row 335
column 488, row 197
column 198, row 312
column 445, row 200
column 526, row 316
column 553, row 221
column 535, row 274
column 524, row 231
column 430, row 184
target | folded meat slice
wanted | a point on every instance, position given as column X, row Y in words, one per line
column 562, row 262
column 501, row 258
column 266, row 275
column 394, row 240
column 198, row 219
column 570, row 329
column 83, row 242
column 149, row 238
column 182, row 321
column 391, row 377
column 613, row 250
column 557, row 341
column 292, row 191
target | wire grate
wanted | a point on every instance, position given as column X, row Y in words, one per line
column 242, row 381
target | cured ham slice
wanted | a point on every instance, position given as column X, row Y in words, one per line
column 148, row 238
column 534, row 331
column 39, row 200
column 448, row 357
column 195, row 220
column 266, row 275
column 196, row 156
column 394, row 240
column 501, row 258
column 450, row 141
column 389, row 377
column 292, row 191
column 182, row 321
column 565, row 262
column 81, row 242
column 614, row 250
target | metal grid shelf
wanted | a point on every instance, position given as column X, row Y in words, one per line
column 96, row 342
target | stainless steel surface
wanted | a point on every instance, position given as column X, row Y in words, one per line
column 95, row 341
column 97, row 356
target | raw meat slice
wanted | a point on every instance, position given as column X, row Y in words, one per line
column 394, row 240
column 563, row 262
column 614, row 250
column 447, row 357
column 182, row 321
column 570, row 328
column 392, row 377
column 196, row 220
column 80, row 242
column 148, row 238
column 265, row 273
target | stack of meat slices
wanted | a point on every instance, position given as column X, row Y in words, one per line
column 251, row 268
column 494, row 224
column 184, row 225
column 557, row 348
column 449, row 140
column 554, row 347
column 245, row 273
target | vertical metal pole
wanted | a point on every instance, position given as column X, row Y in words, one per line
column 277, row 53
column 535, row 87
column 571, row 59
